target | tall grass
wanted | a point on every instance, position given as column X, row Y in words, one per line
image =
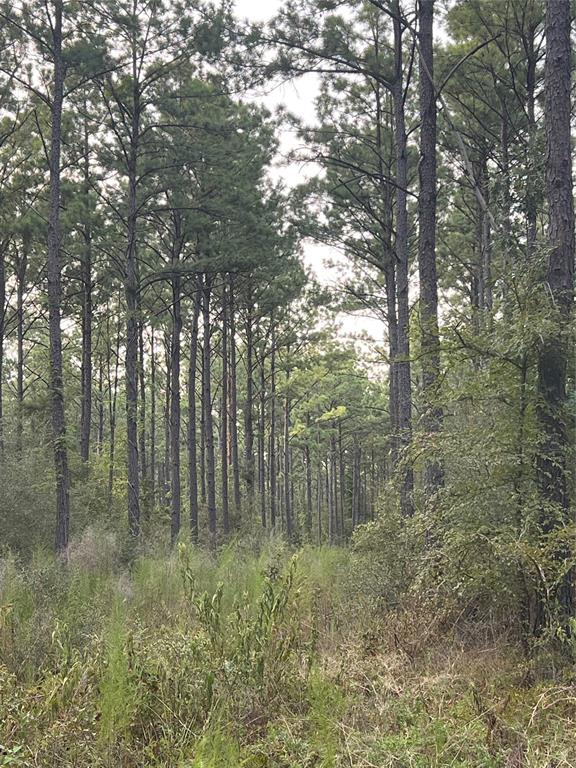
column 118, row 688
column 251, row 656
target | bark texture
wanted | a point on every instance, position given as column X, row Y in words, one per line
column 429, row 334
column 192, row 444
column 131, row 292
column 556, row 348
column 402, row 265
column 55, row 291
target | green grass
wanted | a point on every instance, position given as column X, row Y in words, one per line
column 253, row 657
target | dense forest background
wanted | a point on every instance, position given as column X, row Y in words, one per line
column 223, row 522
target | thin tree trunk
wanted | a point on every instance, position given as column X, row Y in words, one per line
column 207, row 407
column 21, row 272
column 55, row 290
column 402, row 265
column 506, row 199
column 86, row 373
column 202, row 436
column 355, row 487
column 152, row 418
column 100, row 404
column 330, row 499
column 486, row 245
column 372, row 484
column 531, row 177
column 224, row 468
column 234, row 399
column 175, row 410
column 272, row 461
column 319, row 500
column 279, row 489
column 112, row 399
column 341, row 480
column 389, row 273
column 429, row 334
column 262, row 443
column 131, row 291
column 308, row 470
column 248, row 409
column 390, row 286
column 287, row 472
column 192, row 468
column 142, row 414
column 335, row 499
column 476, row 290
column 166, row 482
column 2, row 334
column 293, row 513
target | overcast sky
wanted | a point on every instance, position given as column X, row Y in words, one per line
column 257, row 10
column 298, row 96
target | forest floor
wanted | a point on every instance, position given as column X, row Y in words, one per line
column 256, row 658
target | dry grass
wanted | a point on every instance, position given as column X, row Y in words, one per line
column 419, row 696
column 97, row 643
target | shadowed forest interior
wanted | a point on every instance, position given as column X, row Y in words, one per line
column 287, row 389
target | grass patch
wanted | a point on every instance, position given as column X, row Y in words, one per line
column 254, row 658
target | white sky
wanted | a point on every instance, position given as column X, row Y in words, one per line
column 298, row 96
column 257, row 10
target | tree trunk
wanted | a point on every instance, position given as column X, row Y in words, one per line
column 429, row 334
column 506, row 199
column 175, row 411
column 86, row 373
column 330, row 498
column 402, row 265
column 389, row 273
column 131, row 291
column 3, row 247
column 272, row 460
column 207, row 408
column 21, row 272
column 100, row 436
column 112, row 399
column 167, row 400
column 202, row 435
column 319, row 500
column 55, row 291
column 372, row 484
column 334, row 481
column 152, row 418
column 355, row 487
column 308, row 470
column 192, row 468
column 224, row 468
column 234, row 399
column 341, row 480
column 531, row 177
column 142, row 413
column 390, row 287
column 248, row 409
column 486, row 246
column 556, row 346
column 287, row 472
column 262, row 443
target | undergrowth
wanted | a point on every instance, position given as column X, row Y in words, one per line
column 255, row 657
